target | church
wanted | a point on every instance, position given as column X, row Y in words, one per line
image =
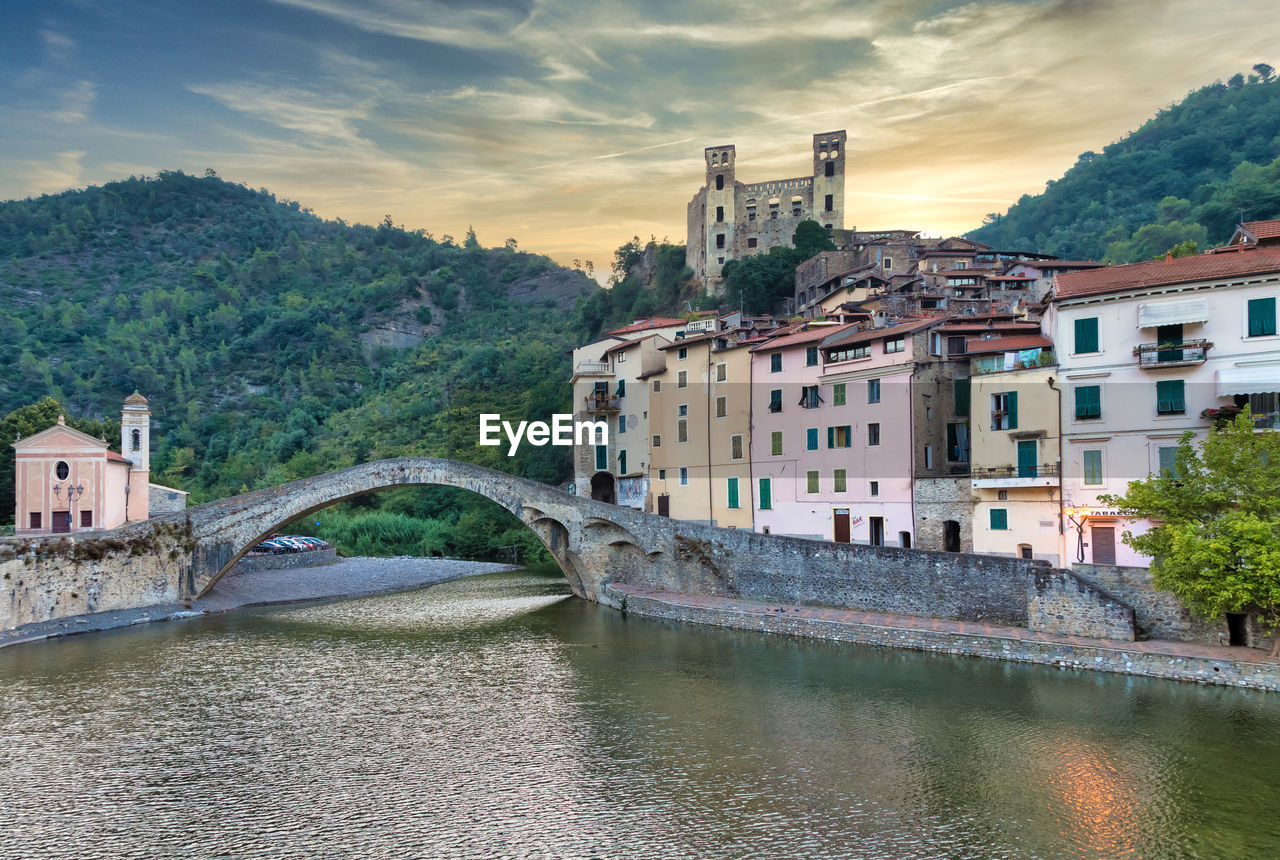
column 69, row 482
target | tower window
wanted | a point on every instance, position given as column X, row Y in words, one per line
column 831, row 168
column 719, row 182
column 137, row 440
column 751, row 243
column 719, row 240
column 719, row 213
column 829, row 201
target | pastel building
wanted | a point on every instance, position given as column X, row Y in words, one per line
column 700, row 430
column 67, row 481
column 1144, row 351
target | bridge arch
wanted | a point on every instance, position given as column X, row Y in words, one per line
column 225, row 530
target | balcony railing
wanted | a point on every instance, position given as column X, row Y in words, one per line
column 1043, row 470
column 601, row 403
column 592, row 368
column 1172, row 354
column 1267, row 421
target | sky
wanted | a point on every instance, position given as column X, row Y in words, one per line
column 572, row 126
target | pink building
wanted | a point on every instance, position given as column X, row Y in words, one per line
column 831, row 442
column 67, row 481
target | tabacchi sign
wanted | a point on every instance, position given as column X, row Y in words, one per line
column 562, row 430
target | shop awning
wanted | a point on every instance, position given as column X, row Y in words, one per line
column 1153, row 314
column 1262, row 379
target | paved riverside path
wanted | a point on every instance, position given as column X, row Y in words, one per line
column 1185, row 661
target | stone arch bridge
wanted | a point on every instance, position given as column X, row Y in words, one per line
column 596, row 544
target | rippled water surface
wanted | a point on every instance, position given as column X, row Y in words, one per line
column 497, row 717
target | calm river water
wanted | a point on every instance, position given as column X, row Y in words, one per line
column 498, row 717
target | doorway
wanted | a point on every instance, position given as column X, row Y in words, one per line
column 951, row 536
column 1238, row 628
column 1103, row 539
column 664, row 505
column 877, row 530
column 602, row 488
column 1027, row 455
column 841, row 517
column 61, row 522
column 904, row 540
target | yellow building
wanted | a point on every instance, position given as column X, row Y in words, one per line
column 1016, row 452
column 699, row 425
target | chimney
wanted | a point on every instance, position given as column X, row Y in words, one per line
column 1168, row 256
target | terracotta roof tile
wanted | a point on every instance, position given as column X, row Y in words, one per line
column 642, row 325
column 1180, row 270
column 1262, row 229
column 880, row 333
column 1004, row 344
column 811, row 335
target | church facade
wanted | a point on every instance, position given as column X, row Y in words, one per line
column 729, row 220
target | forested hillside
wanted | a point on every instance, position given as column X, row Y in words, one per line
column 274, row 345
column 1186, row 176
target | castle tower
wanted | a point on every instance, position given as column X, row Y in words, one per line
column 135, row 445
column 828, row 178
column 720, row 214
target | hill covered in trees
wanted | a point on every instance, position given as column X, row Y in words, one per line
column 274, row 345
column 1188, row 175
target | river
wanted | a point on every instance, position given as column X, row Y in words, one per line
column 497, row 716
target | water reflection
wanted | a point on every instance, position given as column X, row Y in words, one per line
column 496, row 717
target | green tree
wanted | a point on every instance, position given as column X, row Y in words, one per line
column 1216, row 542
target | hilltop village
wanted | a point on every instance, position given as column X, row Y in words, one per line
column 935, row 393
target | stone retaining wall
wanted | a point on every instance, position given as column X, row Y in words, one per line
column 1060, row 602
column 1259, row 676
column 284, row 561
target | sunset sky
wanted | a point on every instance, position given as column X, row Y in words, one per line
column 573, row 125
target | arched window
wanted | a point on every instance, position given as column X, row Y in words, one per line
column 137, row 440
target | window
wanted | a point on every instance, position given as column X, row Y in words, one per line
column 622, row 424
column 957, row 345
column 830, row 168
column 1002, row 495
column 682, row 353
column 897, row 344
column 850, row 353
column 873, row 434
column 602, row 458
column 657, row 440
column 752, row 241
column 682, row 379
column 722, row 372
column 811, row 482
column 35, row 519
column 622, row 462
column 684, row 476
column 662, row 474
column 1171, row 397
column 86, row 519
column 886, row 263
column 1088, row 402
column 682, row 430
column 829, row 202
column 957, row 442
column 1169, row 462
column 1262, row 317
column 775, row 400
column 137, row 434
column 775, row 443
column 622, row 356
column 1086, row 335
column 1093, row 467
column 622, row 388
column 62, row 471
column 961, row 392
column 719, row 213
column 873, row 488
column 735, row 446
column 999, row 519
column 839, row 481
column 810, row 356
column 811, row 439
column 838, row 394
column 1004, row 411
column 873, row 391
column 682, row 411
column 766, row 494
column 722, row 406
column 719, row 240
column 732, row 492
column 928, row 456
column 840, row 437
column 809, row 398
column 657, row 386
column 719, row 182
column 775, row 362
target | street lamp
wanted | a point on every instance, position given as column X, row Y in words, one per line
column 74, row 493
column 1072, row 513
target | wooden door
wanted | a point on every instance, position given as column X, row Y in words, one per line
column 61, row 522
column 1104, row 544
column 1027, row 451
column 664, row 505
column 842, row 525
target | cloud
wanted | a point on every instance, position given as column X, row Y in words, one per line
column 74, row 103
column 50, row 176
column 57, row 46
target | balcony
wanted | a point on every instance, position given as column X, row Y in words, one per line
column 1176, row 354
column 593, row 368
column 600, row 403
column 1000, row 477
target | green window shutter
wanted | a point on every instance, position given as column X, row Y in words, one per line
column 1012, row 400
column 602, row 458
column 848, row 435
column 839, row 480
column 811, row 356
column 1171, row 397
column 1169, row 462
column 622, row 462
column 1093, row 467
column 812, row 438
column 733, row 492
column 622, row 387
column 831, row 437
column 837, row 394
column 962, row 397
column 1088, row 401
column 766, row 494
column 1087, row 335
column 1262, row 317
column 999, row 519
column 811, row 482
column 776, row 440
